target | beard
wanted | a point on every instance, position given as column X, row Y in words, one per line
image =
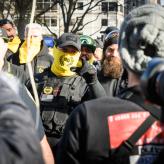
column 112, row 67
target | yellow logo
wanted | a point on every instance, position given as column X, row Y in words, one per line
column 40, row 69
column 48, row 90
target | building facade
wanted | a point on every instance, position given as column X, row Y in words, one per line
column 106, row 13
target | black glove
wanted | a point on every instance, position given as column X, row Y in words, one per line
column 88, row 71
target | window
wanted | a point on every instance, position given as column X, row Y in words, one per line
column 49, row 21
column 42, row 5
column 112, row 6
column 53, row 22
column 104, row 22
column 104, row 6
column 121, row 8
column 80, row 5
column 39, row 6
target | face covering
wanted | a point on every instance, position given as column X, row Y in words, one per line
column 14, row 44
column 27, row 54
column 63, row 61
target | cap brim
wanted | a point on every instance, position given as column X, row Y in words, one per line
column 70, row 44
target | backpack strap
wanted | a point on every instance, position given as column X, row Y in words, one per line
column 127, row 146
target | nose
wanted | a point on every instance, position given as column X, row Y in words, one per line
column 115, row 53
column 112, row 53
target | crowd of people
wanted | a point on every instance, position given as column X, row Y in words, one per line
column 93, row 109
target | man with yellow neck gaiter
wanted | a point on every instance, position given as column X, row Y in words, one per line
column 61, row 90
column 32, row 49
column 14, row 40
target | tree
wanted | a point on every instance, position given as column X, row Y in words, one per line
column 20, row 11
column 69, row 7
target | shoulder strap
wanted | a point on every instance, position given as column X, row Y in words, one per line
column 127, row 146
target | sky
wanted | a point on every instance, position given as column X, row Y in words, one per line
column 162, row 2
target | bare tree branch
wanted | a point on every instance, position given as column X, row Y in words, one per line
column 72, row 7
column 46, row 10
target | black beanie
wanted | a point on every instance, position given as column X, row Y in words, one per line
column 111, row 38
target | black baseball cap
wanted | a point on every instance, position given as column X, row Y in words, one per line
column 69, row 39
column 3, row 35
column 109, row 29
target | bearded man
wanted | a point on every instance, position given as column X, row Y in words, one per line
column 112, row 75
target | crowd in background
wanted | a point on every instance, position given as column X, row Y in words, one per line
column 92, row 106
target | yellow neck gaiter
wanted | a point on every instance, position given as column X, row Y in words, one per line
column 27, row 54
column 63, row 62
column 14, row 44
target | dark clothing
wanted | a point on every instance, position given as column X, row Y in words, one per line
column 25, row 96
column 97, row 64
column 113, row 86
column 18, row 138
column 96, row 128
column 58, row 98
column 40, row 62
column 9, row 53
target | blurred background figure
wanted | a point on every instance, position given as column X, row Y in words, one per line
column 14, row 40
column 88, row 47
column 98, row 54
column 50, row 43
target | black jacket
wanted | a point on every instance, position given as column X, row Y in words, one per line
column 97, row 127
column 40, row 62
column 18, row 138
column 113, row 86
column 58, row 98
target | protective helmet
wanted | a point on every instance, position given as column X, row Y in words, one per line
column 88, row 42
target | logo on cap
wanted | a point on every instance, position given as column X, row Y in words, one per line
column 71, row 38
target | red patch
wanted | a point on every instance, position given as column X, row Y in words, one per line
column 122, row 126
